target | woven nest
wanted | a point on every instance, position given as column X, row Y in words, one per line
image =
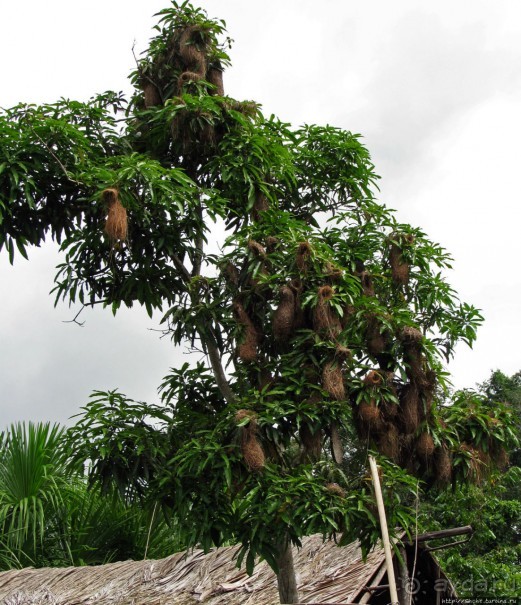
column 370, row 416
column 367, row 283
column 399, row 267
column 185, row 80
column 215, row 77
column 373, row 379
column 342, row 353
column 410, row 408
column 247, row 349
column 260, row 204
column 442, row 465
column 375, row 340
column 151, row 94
column 253, row 453
column 116, row 225
column 257, row 249
column 325, row 320
column 252, row 425
column 284, row 316
column 334, row 488
column 231, row 274
column 333, row 272
column 389, row 442
column 337, row 451
column 303, row 256
column 333, row 380
column 425, row 446
column 271, row 243
column 411, row 336
column 193, row 57
column 311, row 442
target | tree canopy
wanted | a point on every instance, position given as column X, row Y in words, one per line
column 323, row 321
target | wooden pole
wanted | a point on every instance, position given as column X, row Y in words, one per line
column 385, row 532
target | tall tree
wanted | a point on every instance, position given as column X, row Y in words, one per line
column 319, row 314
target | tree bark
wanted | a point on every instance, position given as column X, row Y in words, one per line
column 286, row 579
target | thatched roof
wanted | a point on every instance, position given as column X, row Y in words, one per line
column 325, row 574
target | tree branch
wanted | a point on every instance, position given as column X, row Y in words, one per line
column 55, row 157
column 218, row 370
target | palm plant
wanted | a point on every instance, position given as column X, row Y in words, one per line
column 33, row 473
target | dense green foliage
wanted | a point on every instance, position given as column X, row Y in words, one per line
column 323, row 320
column 48, row 517
column 489, row 564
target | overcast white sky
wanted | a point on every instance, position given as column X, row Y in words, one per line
column 435, row 88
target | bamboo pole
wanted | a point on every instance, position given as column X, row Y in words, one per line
column 385, row 532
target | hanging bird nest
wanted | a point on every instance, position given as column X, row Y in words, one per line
column 257, row 249
column 337, row 450
column 376, row 341
column 253, row 453
column 373, row 379
column 334, row 488
column 231, row 274
column 300, row 318
column 367, row 283
column 442, row 465
column 192, row 46
column 271, row 243
column 342, row 353
column 252, row 425
column 185, row 80
column 311, row 442
column 151, row 94
column 370, row 416
column 425, row 446
column 116, row 225
column 303, row 255
column 410, row 408
column 325, row 320
column 260, row 204
column 284, row 316
column 400, row 268
column 333, row 272
column 215, row 77
column 389, row 442
column 410, row 336
column 333, row 380
column 247, row 349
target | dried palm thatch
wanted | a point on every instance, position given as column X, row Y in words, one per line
column 410, row 408
column 334, row 488
column 333, row 380
column 326, row 574
column 284, row 316
column 116, row 225
column 337, row 450
column 247, row 348
column 311, row 442
column 303, row 256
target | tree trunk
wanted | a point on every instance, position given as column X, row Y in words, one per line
column 286, row 580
